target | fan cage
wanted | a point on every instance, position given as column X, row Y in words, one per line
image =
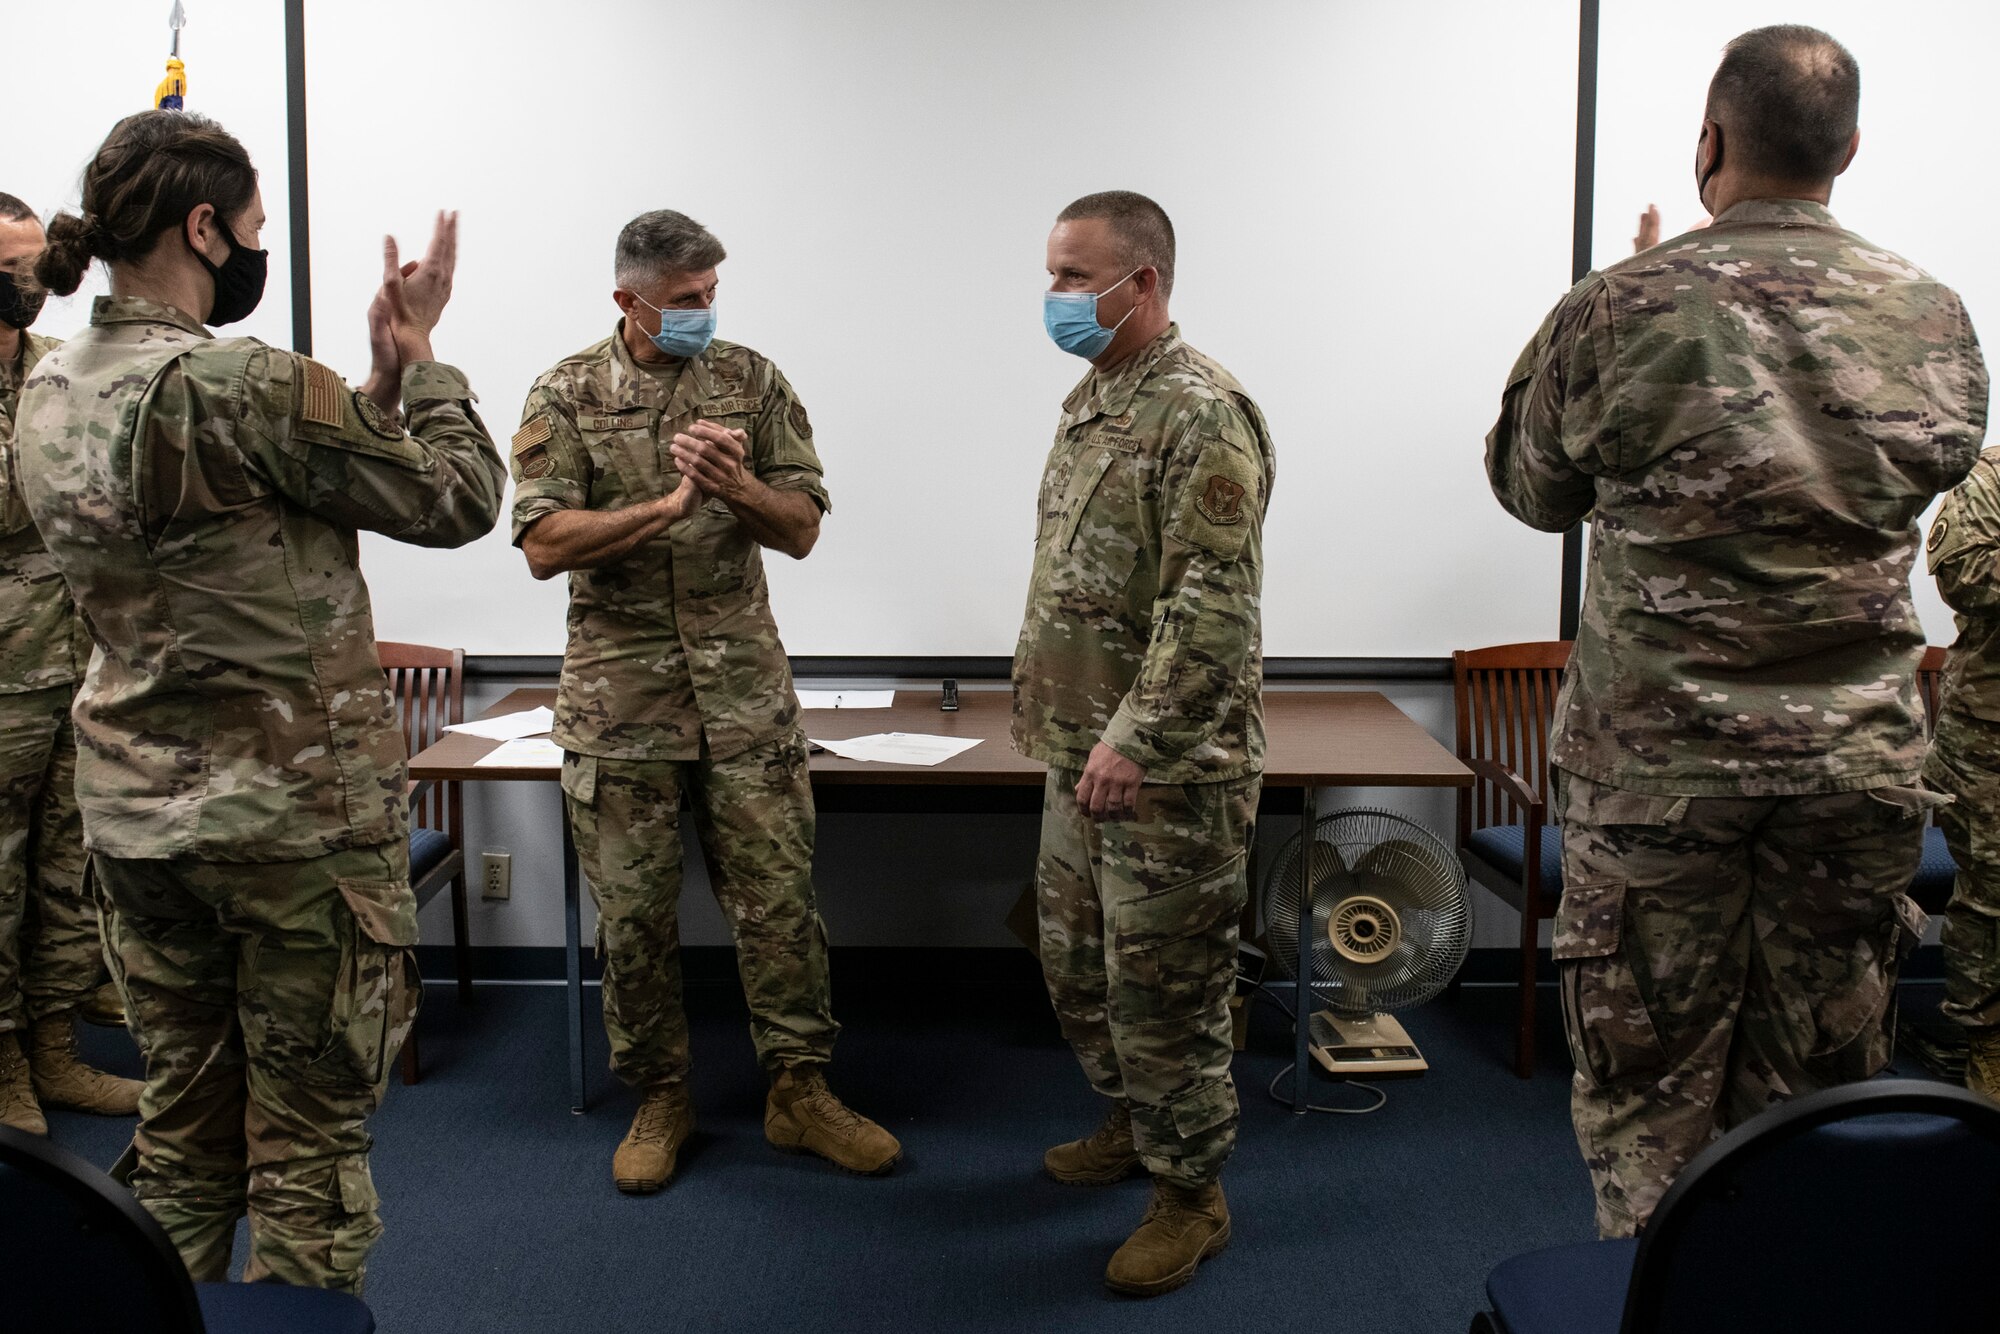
column 1362, row 858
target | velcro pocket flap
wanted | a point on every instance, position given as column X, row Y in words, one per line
column 1590, row 920
column 579, row 777
column 385, row 910
column 1204, row 1107
column 1912, row 800
column 357, row 1186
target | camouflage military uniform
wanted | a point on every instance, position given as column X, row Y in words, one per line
column 1143, row 631
column 1752, row 417
column 241, row 771
column 1965, row 754
column 50, row 954
column 675, row 683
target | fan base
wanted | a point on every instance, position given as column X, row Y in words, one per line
column 1377, row 1047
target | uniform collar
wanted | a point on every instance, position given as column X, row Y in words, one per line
column 1778, row 212
column 140, row 310
column 637, row 383
column 1112, row 395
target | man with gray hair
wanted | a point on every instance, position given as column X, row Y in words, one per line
column 652, row 467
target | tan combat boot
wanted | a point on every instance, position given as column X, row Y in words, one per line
column 801, row 1115
column 1982, row 1062
column 63, row 1080
column 104, row 1007
column 651, row 1149
column 1183, row 1226
column 1109, row 1155
column 18, row 1107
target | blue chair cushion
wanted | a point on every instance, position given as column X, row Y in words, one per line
column 1576, row 1289
column 260, row 1308
column 1506, row 847
column 1935, row 873
column 428, row 849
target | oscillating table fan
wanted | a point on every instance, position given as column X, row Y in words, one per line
column 1390, row 926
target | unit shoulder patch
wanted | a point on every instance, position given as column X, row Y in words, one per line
column 374, row 418
column 800, row 422
column 1221, row 501
column 1937, row 533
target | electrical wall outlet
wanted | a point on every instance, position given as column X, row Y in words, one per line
column 496, row 875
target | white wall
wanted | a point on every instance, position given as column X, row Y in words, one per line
column 73, row 70
column 1373, row 203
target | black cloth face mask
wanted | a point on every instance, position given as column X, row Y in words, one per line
column 20, row 303
column 239, row 280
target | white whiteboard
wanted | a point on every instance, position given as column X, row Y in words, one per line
column 1922, row 184
column 1373, row 202
column 73, row 70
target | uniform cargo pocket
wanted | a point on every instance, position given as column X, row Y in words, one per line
column 1857, row 1021
column 1176, row 949
column 579, row 778
column 1204, row 1107
column 377, row 990
column 1610, row 1029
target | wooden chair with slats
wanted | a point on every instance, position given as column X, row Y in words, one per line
column 1505, row 700
column 429, row 687
column 1936, row 871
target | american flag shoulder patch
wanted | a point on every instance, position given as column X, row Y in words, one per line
column 534, row 433
column 322, row 396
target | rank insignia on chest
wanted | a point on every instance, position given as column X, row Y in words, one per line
column 1222, row 500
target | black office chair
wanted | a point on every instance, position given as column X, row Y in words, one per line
column 79, row 1256
column 1872, row 1207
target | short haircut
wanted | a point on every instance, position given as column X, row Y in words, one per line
column 1144, row 233
column 13, row 210
column 1788, row 98
column 656, row 244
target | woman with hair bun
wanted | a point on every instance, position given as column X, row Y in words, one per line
column 240, row 769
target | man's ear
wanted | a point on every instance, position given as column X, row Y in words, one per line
column 1853, row 147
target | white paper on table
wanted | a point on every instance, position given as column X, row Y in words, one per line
column 846, row 699
column 528, row 722
column 536, row 752
column 900, row 747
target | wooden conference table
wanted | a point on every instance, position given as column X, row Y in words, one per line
column 1317, row 739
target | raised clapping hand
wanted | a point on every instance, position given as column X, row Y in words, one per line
column 713, row 456
column 414, row 295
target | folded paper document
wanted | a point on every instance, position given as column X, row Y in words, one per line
column 899, row 747
column 528, row 722
column 846, row 699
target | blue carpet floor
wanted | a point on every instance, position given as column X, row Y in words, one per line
column 501, row 1214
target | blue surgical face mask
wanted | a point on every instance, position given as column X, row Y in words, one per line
column 1071, row 319
column 683, row 333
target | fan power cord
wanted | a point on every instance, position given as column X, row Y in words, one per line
column 1264, row 992
column 1381, row 1096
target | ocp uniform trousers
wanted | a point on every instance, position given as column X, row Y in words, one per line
column 51, row 955
column 269, row 1000
column 1964, row 762
column 1717, row 955
column 753, row 813
column 1138, row 930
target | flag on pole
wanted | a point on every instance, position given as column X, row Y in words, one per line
column 171, row 95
